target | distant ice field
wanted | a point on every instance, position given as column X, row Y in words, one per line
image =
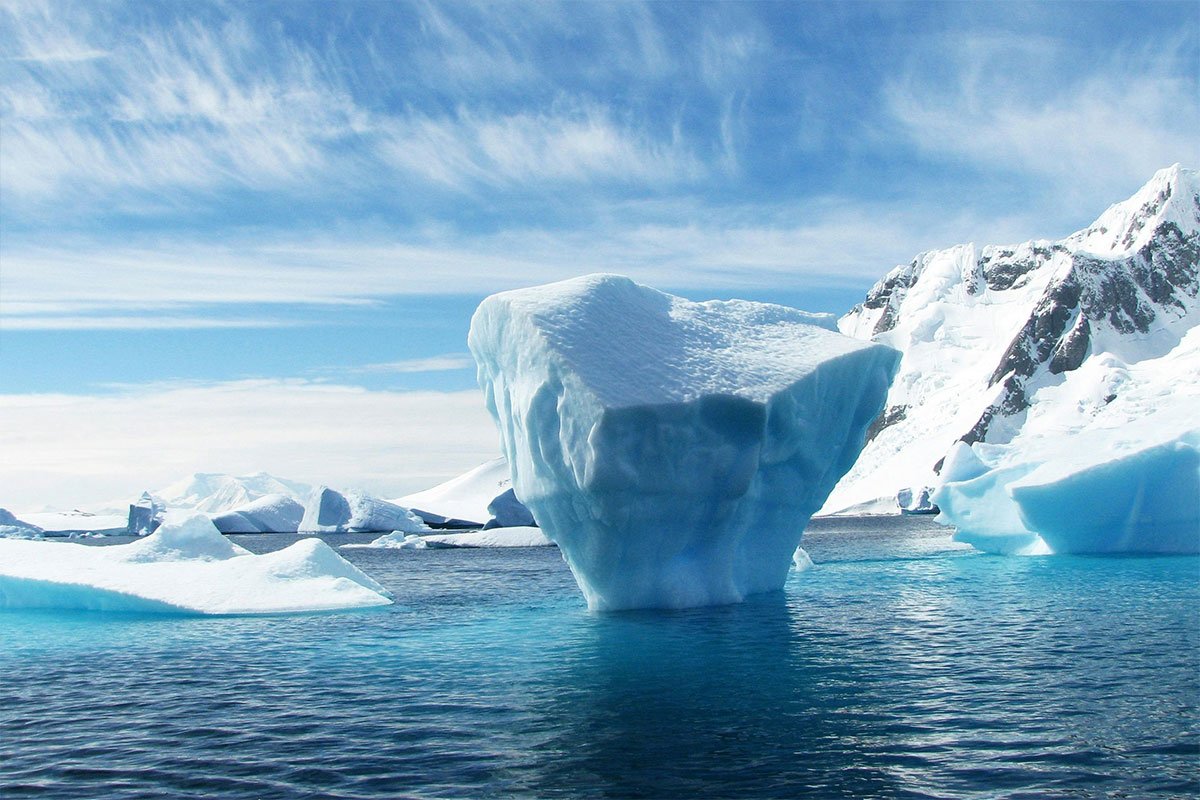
column 901, row 665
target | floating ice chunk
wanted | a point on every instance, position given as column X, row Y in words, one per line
column 1146, row 501
column 509, row 512
column 915, row 500
column 145, row 515
column 397, row 540
column 187, row 566
column 330, row 511
column 801, row 561
column 674, row 450
column 491, row 537
column 1131, row 489
column 273, row 513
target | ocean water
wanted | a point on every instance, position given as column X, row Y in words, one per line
column 900, row 666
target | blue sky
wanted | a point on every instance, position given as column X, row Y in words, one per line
column 230, row 200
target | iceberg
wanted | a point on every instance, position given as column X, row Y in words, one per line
column 523, row 536
column 145, row 515
column 673, row 450
column 1134, row 489
column 481, row 497
column 186, row 566
column 330, row 511
column 272, row 513
column 13, row 528
column 508, row 512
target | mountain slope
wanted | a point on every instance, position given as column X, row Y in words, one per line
column 1001, row 342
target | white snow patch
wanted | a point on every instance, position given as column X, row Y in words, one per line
column 187, row 566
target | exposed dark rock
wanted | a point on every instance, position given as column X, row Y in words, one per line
column 1073, row 349
column 887, row 417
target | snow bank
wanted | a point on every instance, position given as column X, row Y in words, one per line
column 330, row 511
column 673, row 450
column 187, row 566
column 272, row 513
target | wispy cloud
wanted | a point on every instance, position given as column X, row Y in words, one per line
column 73, row 450
column 580, row 144
column 1011, row 104
column 835, row 243
column 443, row 363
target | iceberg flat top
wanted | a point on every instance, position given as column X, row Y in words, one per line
column 632, row 345
column 185, row 567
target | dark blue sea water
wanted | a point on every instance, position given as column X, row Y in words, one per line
column 901, row 666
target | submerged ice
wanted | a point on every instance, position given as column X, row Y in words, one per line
column 186, row 566
column 673, row 450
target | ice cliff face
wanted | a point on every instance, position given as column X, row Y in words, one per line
column 673, row 450
column 1006, row 344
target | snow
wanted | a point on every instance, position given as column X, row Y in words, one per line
column 65, row 522
column 467, row 501
column 331, row 511
column 272, row 513
column 519, row 536
column 215, row 493
column 955, row 314
column 187, row 566
column 673, row 450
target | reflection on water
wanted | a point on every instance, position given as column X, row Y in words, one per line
column 900, row 666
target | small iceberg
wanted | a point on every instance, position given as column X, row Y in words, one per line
column 186, row 566
column 522, row 536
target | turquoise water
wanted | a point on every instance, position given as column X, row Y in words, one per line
column 901, row 666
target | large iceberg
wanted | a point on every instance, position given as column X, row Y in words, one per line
column 673, row 450
column 1132, row 489
column 187, row 566
column 330, row 511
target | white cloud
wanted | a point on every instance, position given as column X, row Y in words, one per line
column 443, row 363
column 574, row 145
column 1010, row 104
column 183, row 281
column 68, row 450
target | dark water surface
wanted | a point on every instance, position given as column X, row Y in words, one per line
column 901, row 666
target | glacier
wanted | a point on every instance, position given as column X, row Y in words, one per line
column 673, row 450
column 331, row 511
column 186, row 566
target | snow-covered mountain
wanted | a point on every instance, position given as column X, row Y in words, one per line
column 1004, row 345
column 213, row 493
